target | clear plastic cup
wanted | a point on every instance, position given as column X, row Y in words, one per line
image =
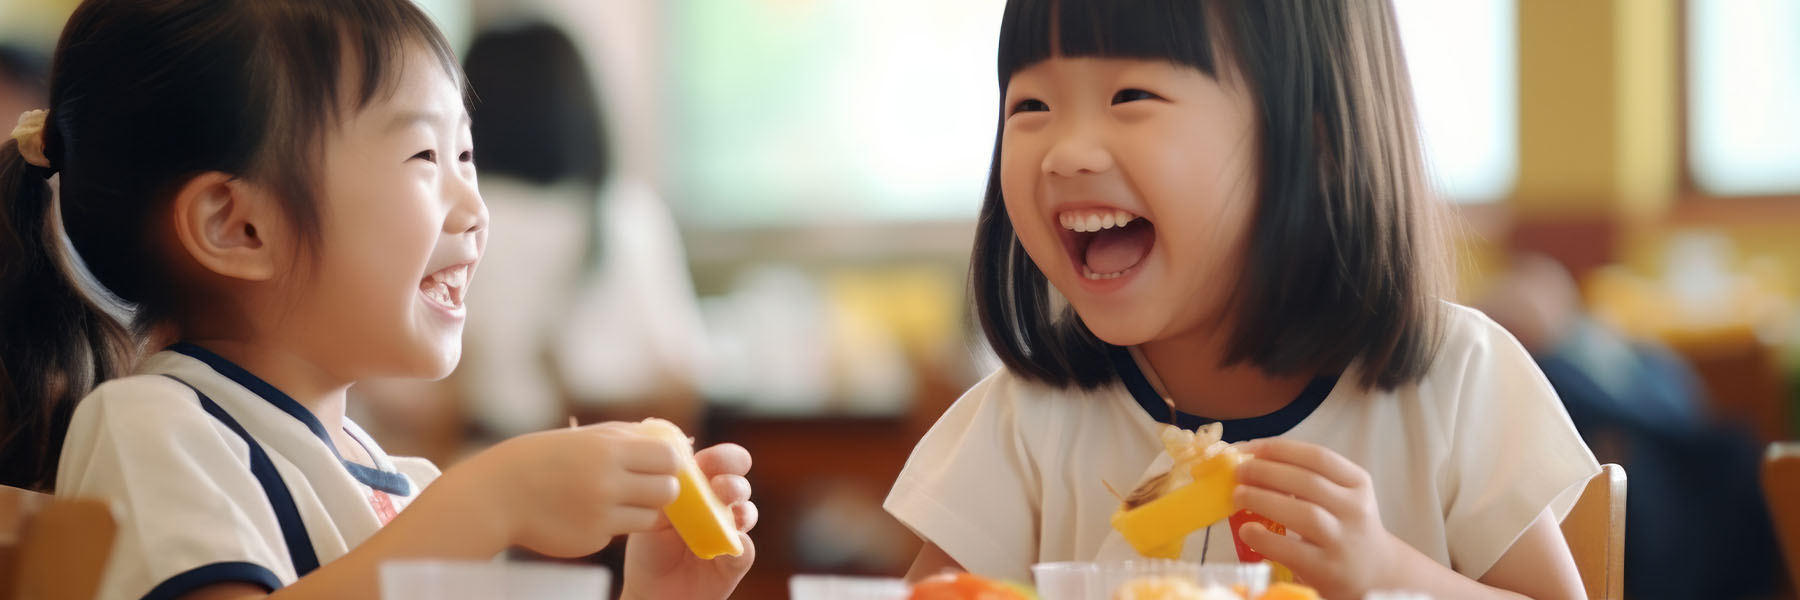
column 1251, row 578
column 832, row 587
column 423, row 579
column 1082, row 580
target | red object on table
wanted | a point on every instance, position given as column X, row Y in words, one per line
column 1279, row 573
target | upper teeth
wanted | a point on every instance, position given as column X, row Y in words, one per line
column 454, row 277
column 1095, row 220
column 445, row 286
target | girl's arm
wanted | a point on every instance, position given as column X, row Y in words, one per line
column 564, row 492
column 1537, row 566
column 931, row 561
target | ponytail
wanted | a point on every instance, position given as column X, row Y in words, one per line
column 55, row 343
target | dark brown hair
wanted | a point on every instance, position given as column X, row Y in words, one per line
column 536, row 116
column 1343, row 262
column 144, row 95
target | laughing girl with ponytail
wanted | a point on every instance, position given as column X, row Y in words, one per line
column 286, row 190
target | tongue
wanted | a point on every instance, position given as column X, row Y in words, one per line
column 1120, row 248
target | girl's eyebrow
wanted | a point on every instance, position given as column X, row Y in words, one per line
column 408, row 119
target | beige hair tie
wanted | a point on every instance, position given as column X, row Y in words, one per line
column 30, row 136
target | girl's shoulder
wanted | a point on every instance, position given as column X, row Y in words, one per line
column 145, row 399
column 1478, row 367
column 142, row 421
column 1480, row 380
column 1474, row 349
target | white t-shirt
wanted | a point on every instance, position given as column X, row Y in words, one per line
column 198, row 503
column 1462, row 461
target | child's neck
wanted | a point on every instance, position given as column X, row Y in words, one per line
column 305, row 382
column 1188, row 370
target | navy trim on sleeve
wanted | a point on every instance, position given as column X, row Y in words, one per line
column 219, row 572
column 287, row 514
column 387, row 481
column 1236, row 430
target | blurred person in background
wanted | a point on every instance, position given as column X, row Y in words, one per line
column 1694, row 502
column 589, row 308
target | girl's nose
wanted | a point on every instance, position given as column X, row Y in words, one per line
column 468, row 214
column 1077, row 151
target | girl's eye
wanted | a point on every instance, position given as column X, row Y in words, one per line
column 467, row 156
column 1133, row 95
column 1029, row 105
column 429, row 156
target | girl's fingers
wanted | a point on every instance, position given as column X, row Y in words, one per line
column 1309, row 520
column 731, row 489
column 1311, row 457
column 746, row 514
column 723, row 459
column 1288, row 550
column 646, row 455
column 652, row 492
column 633, row 519
column 1292, row 480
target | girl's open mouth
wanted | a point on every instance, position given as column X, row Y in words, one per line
column 1106, row 243
column 446, row 286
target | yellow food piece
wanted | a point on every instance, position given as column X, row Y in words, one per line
column 1156, row 529
column 703, row 522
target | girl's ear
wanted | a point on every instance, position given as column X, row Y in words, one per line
column 229, row 226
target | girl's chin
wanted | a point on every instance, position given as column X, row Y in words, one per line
column 435, row 361
column 1120, row 330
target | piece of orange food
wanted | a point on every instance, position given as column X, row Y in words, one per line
column 1171, row 588
column 706, row 524
column 967, row 586
column 1156, row 516
column 1289, row 591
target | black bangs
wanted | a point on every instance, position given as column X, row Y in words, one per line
column 1174, row 30
column 319, row 38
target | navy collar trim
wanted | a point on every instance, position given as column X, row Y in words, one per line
column 1236, row 430
column 386, row 481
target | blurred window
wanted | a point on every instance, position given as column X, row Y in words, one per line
column 1463, row 56
column 1743, row 83
column 796, row 112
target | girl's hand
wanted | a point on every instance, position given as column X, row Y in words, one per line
column 1342, row 549
column 568, row 492
column 658, row 564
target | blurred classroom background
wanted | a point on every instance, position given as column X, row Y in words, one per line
column 753, row 217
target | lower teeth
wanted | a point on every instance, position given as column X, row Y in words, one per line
column 1099, row 276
